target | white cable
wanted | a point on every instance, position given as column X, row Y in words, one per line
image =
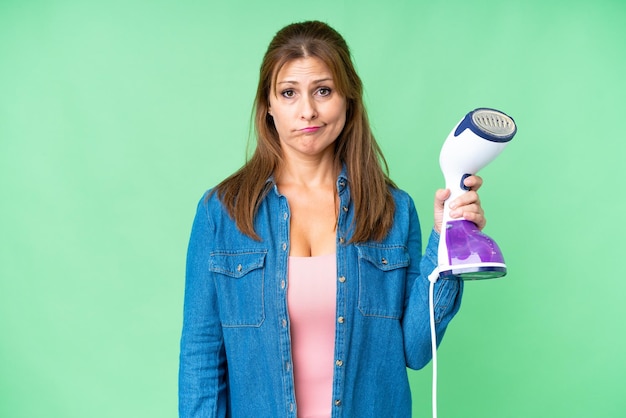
column 432, row 278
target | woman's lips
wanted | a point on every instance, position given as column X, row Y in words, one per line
column 310, row 129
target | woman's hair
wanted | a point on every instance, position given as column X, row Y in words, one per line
column 242, row 192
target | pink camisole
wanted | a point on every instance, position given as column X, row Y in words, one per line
column 311, row 298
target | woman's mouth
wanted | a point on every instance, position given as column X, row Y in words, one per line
column 310, row 129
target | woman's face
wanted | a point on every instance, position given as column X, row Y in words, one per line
column 308, row 112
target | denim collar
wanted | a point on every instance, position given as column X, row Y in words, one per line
column 342, row 181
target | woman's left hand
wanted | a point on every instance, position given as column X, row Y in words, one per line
column 466, row 206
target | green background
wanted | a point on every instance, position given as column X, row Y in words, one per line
column 115, row 117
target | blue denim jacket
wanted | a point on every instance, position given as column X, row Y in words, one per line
column 235, row 358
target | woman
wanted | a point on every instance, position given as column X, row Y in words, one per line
column 306, row 291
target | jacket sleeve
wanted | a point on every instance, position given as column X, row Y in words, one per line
column 447, row 297
column 202, row 388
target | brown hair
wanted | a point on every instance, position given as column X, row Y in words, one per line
column 242, row 192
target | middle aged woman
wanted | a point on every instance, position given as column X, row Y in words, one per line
column 306, row 290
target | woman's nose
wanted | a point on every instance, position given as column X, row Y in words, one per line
column 308, row 110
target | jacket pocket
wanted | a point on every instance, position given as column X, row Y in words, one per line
column 239, row 277
column 382, row 278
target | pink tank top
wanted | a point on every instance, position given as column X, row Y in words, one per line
column 311, row 298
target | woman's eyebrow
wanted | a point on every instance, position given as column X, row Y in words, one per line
column 321, row 80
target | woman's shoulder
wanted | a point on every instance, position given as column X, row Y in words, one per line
column 210, row 200
column 400, row 197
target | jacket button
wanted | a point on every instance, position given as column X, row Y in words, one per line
column 339, row 363
column 338, row 402
column 342, row 279
column 340, row 319
column 384, row 261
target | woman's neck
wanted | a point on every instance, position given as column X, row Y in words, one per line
column 307, row 173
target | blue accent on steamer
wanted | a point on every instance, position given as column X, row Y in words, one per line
column 462, row 185
column 468, row 123
column 474, row 273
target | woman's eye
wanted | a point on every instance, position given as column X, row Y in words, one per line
column 288, row 93
column 324, row 91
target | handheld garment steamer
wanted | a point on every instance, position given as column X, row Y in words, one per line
column 464, row 251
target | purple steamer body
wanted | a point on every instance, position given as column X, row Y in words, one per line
column 468, row 249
